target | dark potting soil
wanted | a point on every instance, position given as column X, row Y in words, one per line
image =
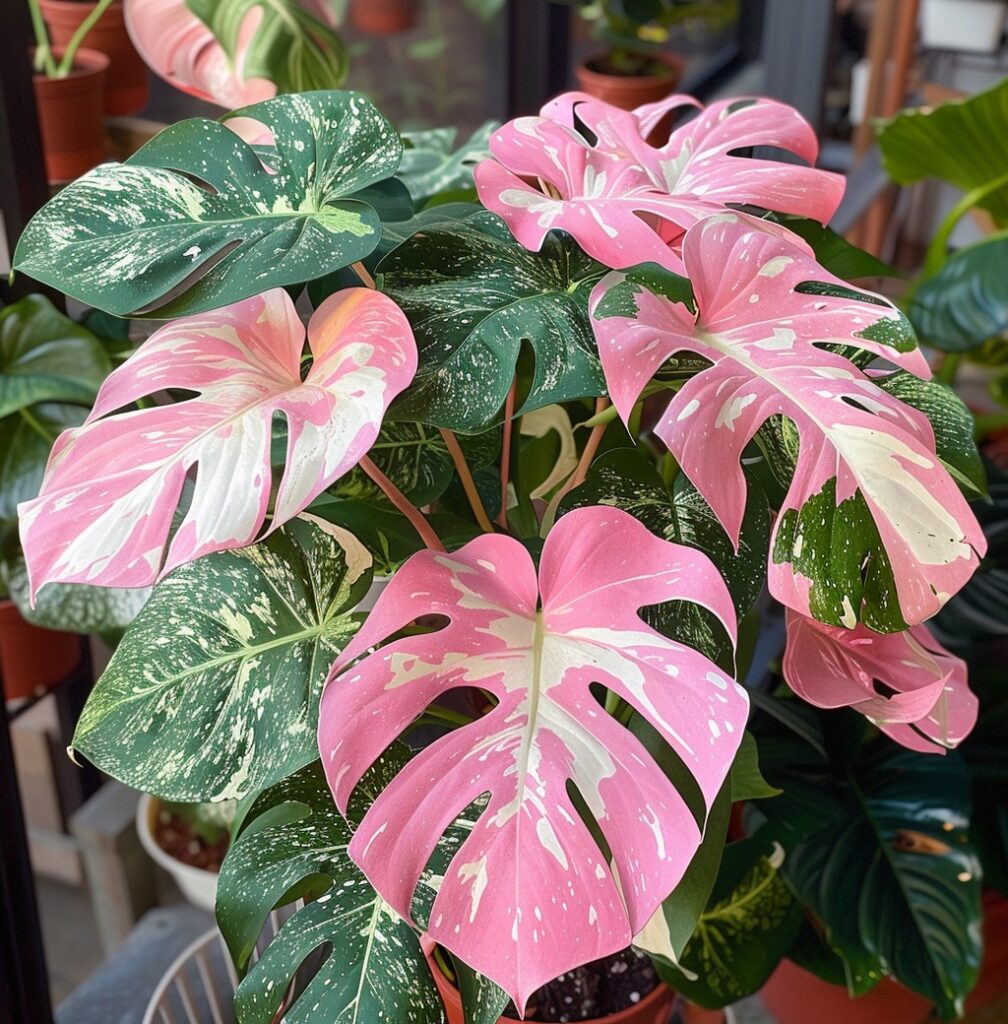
column 598, row 989
column 175, row 836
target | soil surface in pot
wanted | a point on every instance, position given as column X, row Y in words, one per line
column 178, row 839
column 598, row 989
column 629, row 65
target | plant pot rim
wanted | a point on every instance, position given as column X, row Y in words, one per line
column 67, row 5
column 673, row 69
column 146, row 809
column 656, row 994
column 87, row 62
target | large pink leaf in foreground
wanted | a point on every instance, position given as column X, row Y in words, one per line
column 112, row 486
column 923, row 702
column 529, row 895
column 762, row 335
column 627, row 202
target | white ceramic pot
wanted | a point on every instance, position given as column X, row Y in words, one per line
column 197, row 885
column 975, row 26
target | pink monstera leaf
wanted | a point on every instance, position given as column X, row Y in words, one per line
column 764, row 306
column 112, row 486
column 181, row 48
column 627, row 202
column 906, row 683
column 529, row 895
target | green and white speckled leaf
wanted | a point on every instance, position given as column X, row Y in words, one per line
column 431, row 165
column 473, row 295
column 294, row 843
column 748, row 925
column 213, row 692
column 46, row 357
column 73, row 607
column 415, row 458
column 290, row 46
column 194, row 221
column 841, row 551
column 626, row 479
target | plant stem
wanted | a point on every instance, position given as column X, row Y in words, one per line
column 447, row 716
column 468, row 484
column 591, row 447
column 505, row 473
column 361, row 271
column 67, row 62
column 43, row 49
column 937, row 251
column 949, row 367
column 401, row 502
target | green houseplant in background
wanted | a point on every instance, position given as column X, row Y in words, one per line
column 528, row 751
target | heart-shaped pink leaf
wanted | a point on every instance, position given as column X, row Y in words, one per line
column 627, row 202
column 112, row 486
column 529, row 895
column 906, row 683
column 764, row 306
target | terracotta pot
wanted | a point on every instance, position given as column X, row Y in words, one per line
column 71, row 117
column 791, row 990
column 384, row 17
column 31, row 658
column 654, row 1008
column 127, row 84
column 629, row 91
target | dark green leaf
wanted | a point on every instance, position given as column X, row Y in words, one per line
column 431, row 165
column 214, row 690
column 833, row 251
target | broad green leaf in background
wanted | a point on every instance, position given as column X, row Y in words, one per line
column 878, row 848
column 214, row 690
column 626, row 479
column 416, row 459
column 966, row 302
column 431, row 164
column 749, row 923
column 833, row 251
column 962, row 142
column 293, row 843
column 290, row 47
column 194, row 221
column 26, row 438
column 473, row 295
column 46, row 357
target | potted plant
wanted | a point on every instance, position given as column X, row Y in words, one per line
column 384, row 17
column 742, row 416
column 636, row 68
column 69, row 98
column 126, row 83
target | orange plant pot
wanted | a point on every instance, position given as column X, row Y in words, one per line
column 629, row 91
column 384, row 17
column 32, row 658
column 127, row 83
column 71, row 117
column 655, row 1008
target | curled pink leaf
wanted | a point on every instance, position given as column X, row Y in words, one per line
column 627, row 202
column 913, row 689
column 764, row 308
column 112, row 486
column 529, row 895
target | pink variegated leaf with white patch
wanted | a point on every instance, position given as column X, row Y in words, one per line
column 764, row 308
column 112, row 486
column 530, row 895
column 627, row 202
column 913, row 689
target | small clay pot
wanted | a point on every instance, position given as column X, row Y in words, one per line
column 384, row 17
column 629, row 91
column 127, row 84
column 71, row 117
column 654, row 1008
column 33, row 659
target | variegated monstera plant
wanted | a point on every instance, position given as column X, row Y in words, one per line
column 568, row 434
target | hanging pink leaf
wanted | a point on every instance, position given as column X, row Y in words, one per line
column 627, row 202
column 112, row 486
column 764, row 308
column 906, row 683
column 529, row 895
